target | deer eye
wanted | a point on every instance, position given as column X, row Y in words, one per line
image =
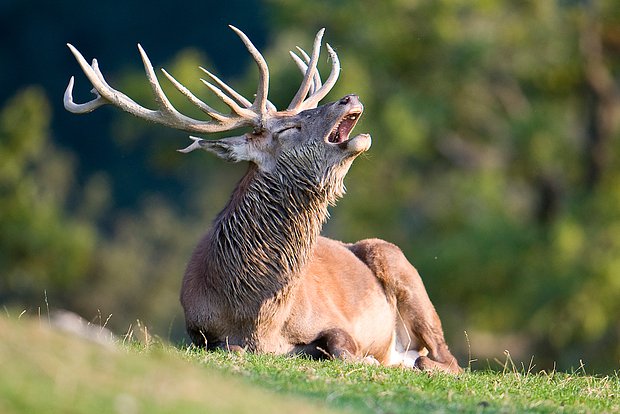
column 289, row 128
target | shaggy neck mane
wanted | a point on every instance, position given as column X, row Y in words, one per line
column 268, row 230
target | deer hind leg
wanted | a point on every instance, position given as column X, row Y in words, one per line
column 331, row 343
column 418, row 326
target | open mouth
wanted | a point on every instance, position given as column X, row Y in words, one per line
column 340, row 133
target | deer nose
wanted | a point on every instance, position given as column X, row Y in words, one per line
column 349, row 98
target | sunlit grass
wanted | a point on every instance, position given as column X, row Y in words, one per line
column 380, row 389
column 47, row 371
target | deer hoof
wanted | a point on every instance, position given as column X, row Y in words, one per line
column 426, row 364
column 370, row 360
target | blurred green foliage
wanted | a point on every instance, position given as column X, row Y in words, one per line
column 41, row 247
column 494, row 166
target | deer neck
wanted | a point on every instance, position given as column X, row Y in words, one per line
column 266, row 234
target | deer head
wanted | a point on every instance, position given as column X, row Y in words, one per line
column 314, row 141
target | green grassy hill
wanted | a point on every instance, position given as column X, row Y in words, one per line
column 45, row 371
column 50, row 372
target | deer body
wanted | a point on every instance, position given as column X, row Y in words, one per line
column 318, row 298
column 263, row 279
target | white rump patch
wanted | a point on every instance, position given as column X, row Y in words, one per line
column 400, row 354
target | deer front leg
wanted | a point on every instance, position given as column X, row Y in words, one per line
column 416, row 313
column 204, row 340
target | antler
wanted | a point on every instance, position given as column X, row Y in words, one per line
column 243, row 112
column 311, row 82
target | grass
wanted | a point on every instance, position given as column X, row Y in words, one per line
column 392, row 390
column 47, row 371
column 43, row 371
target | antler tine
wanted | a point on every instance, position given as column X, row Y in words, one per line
column 315, row 98
column 260, row 102
column 305, row 83
column 303, row 67
column 161, row 99
column 84, row 108
column 233, row 93
column 194, row 145
column 236, row 95
column 317, row 76
column 166, row 109
column 195, row 100
column 244, row 112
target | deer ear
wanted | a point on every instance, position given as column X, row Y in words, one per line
column 233, row 149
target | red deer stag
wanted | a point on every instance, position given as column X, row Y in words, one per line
column 263, row 279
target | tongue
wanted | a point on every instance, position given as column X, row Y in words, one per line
column 344, row 128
